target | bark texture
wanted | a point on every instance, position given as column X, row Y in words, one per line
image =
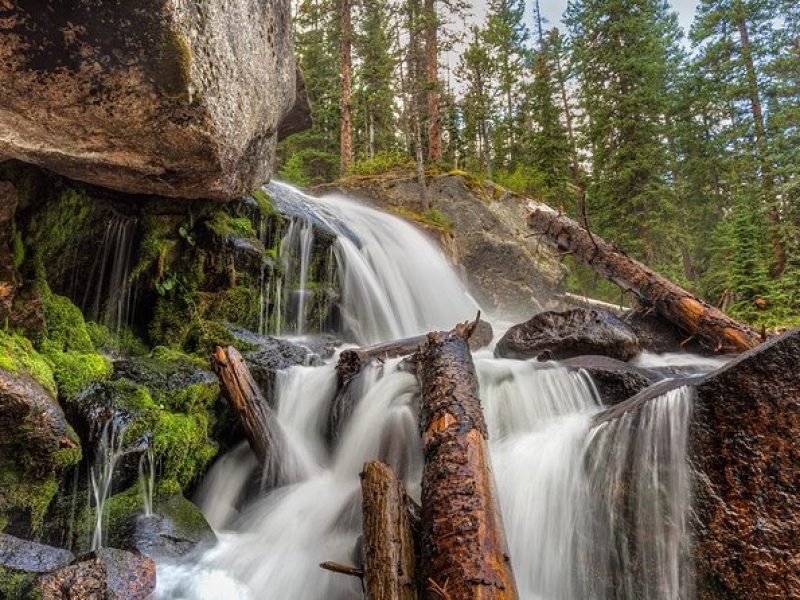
column 345, row 49
column 257, row 418
column 390, row 557
column 464, row 553
column 697, row 318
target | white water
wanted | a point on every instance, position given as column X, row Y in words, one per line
column 555, row 474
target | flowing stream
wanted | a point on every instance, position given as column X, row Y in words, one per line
column 558, row 476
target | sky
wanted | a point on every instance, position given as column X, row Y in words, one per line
column 553, row 9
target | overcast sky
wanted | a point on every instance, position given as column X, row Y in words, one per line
column 553, row 9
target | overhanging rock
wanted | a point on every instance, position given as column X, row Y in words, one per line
column 167, row 97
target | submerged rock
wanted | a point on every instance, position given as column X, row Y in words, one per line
column 105, row 574
column 560, row 335
column 615, row 380
column 156, row 97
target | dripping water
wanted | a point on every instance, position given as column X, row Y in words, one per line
column 147, row 479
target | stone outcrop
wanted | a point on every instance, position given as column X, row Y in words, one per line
column 105, row 574
column 24, row 556
column 744, row 451
column 181, row 99
column 508, row 272
column 560, row 335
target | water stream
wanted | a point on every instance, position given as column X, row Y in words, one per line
column 570, row 536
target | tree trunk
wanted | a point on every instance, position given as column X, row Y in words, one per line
column 676, row 305
column 432, row 75
column 464, row 553
column 257, row 418
column 390, row 556
column 761, row 139
column 345, row 45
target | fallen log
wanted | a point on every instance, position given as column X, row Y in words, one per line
column 389, row 553
column 352, row 361
column 673, row 303
column 464, row 552
column 335, row 567
column 258, row 420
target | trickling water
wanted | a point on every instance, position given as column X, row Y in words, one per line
column 558, row 478
column 109, row 450
column 109, row 295
column 147, row 479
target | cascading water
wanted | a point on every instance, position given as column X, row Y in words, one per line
column 147, row 479
column 556, row 473
column 109, row 450
column 109, row 294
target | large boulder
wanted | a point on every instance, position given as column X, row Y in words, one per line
column 105, row 574
column 22, row 561
column 181, row 99
column 508, row 271
column 560, row 335
column 744, row 453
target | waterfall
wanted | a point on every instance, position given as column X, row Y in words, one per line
column 109, row 294
column 559, row 478
column 147, row 479
column 108, row 452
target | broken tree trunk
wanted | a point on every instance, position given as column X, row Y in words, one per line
column 257, row 418
column 687, row 312
column 389, row 555
column 464, row 553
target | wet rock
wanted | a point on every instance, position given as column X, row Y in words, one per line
column 174, row 528
column 299, row 117
column 24, row 556
column 183, row 100
column 9, row 278
column 659, row 336
column 615, row 380
column 482, row 336
column 560, row 335
column 31, row 421
column 105, row 574
column 744, row 451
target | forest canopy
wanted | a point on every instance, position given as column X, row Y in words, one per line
column 681, row 148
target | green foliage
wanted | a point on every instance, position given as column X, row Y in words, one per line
column 310, row 166
column 74, row 371
column 381, row 163
column 22, row 492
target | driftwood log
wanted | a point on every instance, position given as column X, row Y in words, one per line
column 352, row 361
column 257, row 418
column 464, row 554
column 652, row 291
column 389, row 552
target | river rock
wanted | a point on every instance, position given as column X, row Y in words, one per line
column 180, row 99
column 744, row 452
column 24, row 556
column 560, row 335
column 615, row 380
column 174, row 528
column 657, row 335
column 105, row 574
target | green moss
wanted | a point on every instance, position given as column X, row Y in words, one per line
column 74, row 371
column 20, row 493
column 54, row 230
column 17, row 249
column 68, row 457
column 432, row 217
column 66, row 328
column 172, row 70
column 263, row 200
column 180, row 441
column 223, row 224
column 239, row 305
column 18, row 354
column 14, row 584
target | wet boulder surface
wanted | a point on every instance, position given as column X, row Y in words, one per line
column 615, row 380
column 105, row 574
column 156, row 97
column 561, row 335
column 744, row 455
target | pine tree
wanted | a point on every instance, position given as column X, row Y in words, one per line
column 478, row 103
column 622, row 51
